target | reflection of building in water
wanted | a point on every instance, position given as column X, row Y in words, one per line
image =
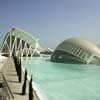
column 76, row 50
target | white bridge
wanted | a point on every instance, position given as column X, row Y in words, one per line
column 20, row 42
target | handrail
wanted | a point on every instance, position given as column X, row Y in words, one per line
column 7, row 86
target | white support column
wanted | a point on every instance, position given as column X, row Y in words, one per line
column 23, row 49
column 36, row 46
column 71, row 50
column 79, row 53
column 83, row 55
column 19, row 44
column 31, row 51
column 16, row 46
column 10, row 44
column 28, row 51
column 90, row 59
column 74, row 50
column 4, row 42
column 13, row 45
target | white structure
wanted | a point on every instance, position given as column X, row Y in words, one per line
column 77, row 50
column 20, row 42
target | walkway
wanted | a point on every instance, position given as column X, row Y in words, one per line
column 9, row 71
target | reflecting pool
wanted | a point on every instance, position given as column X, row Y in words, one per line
column 57, row 81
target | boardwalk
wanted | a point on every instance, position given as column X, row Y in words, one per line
column 9, row 71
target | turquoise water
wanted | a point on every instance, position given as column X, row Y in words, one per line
column 57, row 81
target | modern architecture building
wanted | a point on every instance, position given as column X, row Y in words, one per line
column 76, row 50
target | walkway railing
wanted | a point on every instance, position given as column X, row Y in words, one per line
column 9, row 92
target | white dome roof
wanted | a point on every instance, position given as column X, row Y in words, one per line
column 79, row 43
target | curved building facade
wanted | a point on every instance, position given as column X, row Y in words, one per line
column 76, row 50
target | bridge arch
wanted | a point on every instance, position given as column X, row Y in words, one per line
column 21, row 42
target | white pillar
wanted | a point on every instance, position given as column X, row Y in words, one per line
column 90, row 59
column 10, row 45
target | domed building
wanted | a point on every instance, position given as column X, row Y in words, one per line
column 77, row 50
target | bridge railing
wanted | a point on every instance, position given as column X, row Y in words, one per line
column 9, row 95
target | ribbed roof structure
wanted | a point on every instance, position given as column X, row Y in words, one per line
column 79, row 43
column 77, row 49
column 24, row 36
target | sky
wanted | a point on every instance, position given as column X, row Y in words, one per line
column 52, row 21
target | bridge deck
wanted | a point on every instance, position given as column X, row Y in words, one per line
column 9, row 71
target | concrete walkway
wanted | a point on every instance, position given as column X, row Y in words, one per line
column 10, row 74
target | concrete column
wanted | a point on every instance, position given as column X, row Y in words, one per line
column 90, row 59
column 80, row 51
column 10, row 45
